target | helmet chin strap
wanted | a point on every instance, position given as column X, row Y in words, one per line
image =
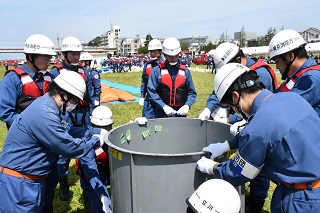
column 64, row 104
column 32, row 62
column 284, row 76
column 72, row 67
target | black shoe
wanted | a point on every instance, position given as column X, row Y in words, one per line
column 65, row 193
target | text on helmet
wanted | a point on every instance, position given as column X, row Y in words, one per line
column 226, row 55
column 284, row 44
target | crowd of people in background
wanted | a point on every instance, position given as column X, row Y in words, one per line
column 56, row 115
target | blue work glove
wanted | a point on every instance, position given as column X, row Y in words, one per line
column 217, row 149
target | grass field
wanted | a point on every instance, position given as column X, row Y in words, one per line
column 123, row 113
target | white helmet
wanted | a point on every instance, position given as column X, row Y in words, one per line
column 39, row 44
column 71, row 44
column 215, row 195
column 72, row 83
column 171, row 46
column 226, row 76
column 85, row 56
column 101, row 116
column 224, row 53
column 154, row 44
column 285, row 41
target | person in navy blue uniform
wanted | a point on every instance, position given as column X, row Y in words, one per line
column 170, row 84
column 21, row 86
column 286, row 153
column 155, row 48
column 208, row 63
column 33, row 141
column 94, row 167
column 85, row 61
column 80, row 117
column 227, row 53
column 299, row 71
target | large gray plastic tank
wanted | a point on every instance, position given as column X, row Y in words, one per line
column 153, row 166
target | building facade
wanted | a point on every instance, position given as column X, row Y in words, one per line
column 311, row 35
column 111, row 39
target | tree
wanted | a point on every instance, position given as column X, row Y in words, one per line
column 148, row 39
column 243, row 38
column 267, row 38
column 143, row 49
column 95, row 42
column 184, row 46
column 222, row 38
column 208, row 47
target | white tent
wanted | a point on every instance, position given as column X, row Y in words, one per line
column 313, row 47
column 255, row 50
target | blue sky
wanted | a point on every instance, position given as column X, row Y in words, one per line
column 86, row 19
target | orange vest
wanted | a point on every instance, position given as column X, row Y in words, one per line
column 30, row 89
column 260, row 63
column 173, row 93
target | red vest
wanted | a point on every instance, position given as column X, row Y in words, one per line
column 30, row 89
column 260, row 63
column 80, row 71
column 173, row 93
column 289, row 83
column 149, row 68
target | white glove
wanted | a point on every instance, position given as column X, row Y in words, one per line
column 206, row 165
column 237, row 127
column 220, row 115
column 141, row 101
column 103, row 131
column 205, row 114
column 100, row 136
column 169, row 111
column 96, row 103
column 183, row 110
column 141, row 120
column 106, row 204
column 217, row 149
